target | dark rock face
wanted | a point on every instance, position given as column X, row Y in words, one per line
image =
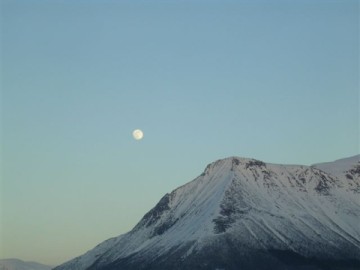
column 230, row 255
column 355, row 170
column 255, row 163
column 159, row 230
column 154, row 214
column 222, row 223
column 229, row 208
column 296, row 261
column 351, row 175
column 324, row 183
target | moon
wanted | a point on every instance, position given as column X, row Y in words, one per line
column 138, row 134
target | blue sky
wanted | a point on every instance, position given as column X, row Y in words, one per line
column 272, row 80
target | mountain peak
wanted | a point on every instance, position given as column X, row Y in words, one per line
column 237, row 210
column 232, row 162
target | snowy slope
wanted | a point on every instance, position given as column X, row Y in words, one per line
column 348, row 168
column 16, row 264
column 340, row 166
column 239, row 209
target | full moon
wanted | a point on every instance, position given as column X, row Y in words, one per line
column 138, row 134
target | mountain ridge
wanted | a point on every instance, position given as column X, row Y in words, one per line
column 17, row 264
column 241, row 208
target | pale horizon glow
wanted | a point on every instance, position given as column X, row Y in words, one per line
column 273, row 80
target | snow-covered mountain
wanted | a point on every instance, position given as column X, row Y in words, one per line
column 245, row 214
column 16, row 264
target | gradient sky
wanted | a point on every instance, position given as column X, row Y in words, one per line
column 272, row 80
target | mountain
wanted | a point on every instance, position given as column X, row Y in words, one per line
column 16, row 264
column 245, row 214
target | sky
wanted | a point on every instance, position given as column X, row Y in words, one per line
column 273, row 80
